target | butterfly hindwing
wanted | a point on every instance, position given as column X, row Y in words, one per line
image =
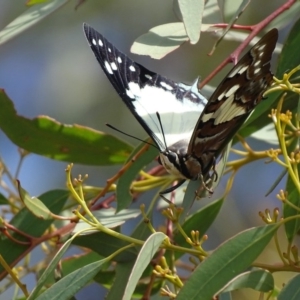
column 145, row 93
column 232, row 102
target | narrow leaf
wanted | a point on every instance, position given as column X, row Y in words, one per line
column 3, row 200
column 109, row 218
column 68, row 286
column 36, row 206
column 106, row 245
column 225, row 296
column 266, row 134
column 123, row 271
column 229, row 260
column 259, row 280
column 160, row 40
column 192, row 13
column 50, row 270
column 71, row 143
column 148, row 250
column 291, row 290
column 29, row 18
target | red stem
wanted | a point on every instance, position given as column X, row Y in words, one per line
column 233, row 57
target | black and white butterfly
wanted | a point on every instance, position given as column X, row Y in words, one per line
column 189, row 131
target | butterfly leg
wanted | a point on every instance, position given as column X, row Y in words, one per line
column 215, row 173
column 203, row 182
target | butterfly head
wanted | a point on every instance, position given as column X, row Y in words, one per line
column 176, row 160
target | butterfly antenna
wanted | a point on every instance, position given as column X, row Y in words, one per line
column 162, row 129
column 134, row 137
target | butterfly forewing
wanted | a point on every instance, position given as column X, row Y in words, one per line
column 232, row 102
column 145, row 93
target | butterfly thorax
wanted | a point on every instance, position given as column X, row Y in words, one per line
column 179, row 163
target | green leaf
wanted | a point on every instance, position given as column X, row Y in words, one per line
column 31, row 225
column 293, row 226
column 109, row 218
column 50, row 270
column 69, row 285
column 229, row 10
column 200, row 220
column 259, row 280
column 160, row 40
column 192, row 14
column 146, row 253
column 237, row 12
column 106, row 245
column 73, row 263
column 106, row 277
column 35, row 205
column 3, row 200
column 71, row 143
column 291, row 290
column 123, row 271
column 120, row 279
column 225, row 296
column 124, row 197
column 289, row 56
column 266, row 134
column 225, row 263
column 29, row 18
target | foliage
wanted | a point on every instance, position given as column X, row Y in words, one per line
column 147, row 263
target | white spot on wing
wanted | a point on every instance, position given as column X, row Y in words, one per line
column 166, row 86
column 233, row 72
column 228, row 111
column 232, row 90
column 262, row 47
column 109, row 50
column 94, row 42
column 114, row 66
column 119, row 59
column 239, row 70
column 108, row 68
column 132, row 69
column 221, row 96
column 148, row 76
column 243, row 69
column 100, row 43
column 135, row 89
column 257, row 63
column 129, row 94
column 207, row 117
column 256, row 71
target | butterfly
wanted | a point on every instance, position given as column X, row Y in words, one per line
column 189, row 131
